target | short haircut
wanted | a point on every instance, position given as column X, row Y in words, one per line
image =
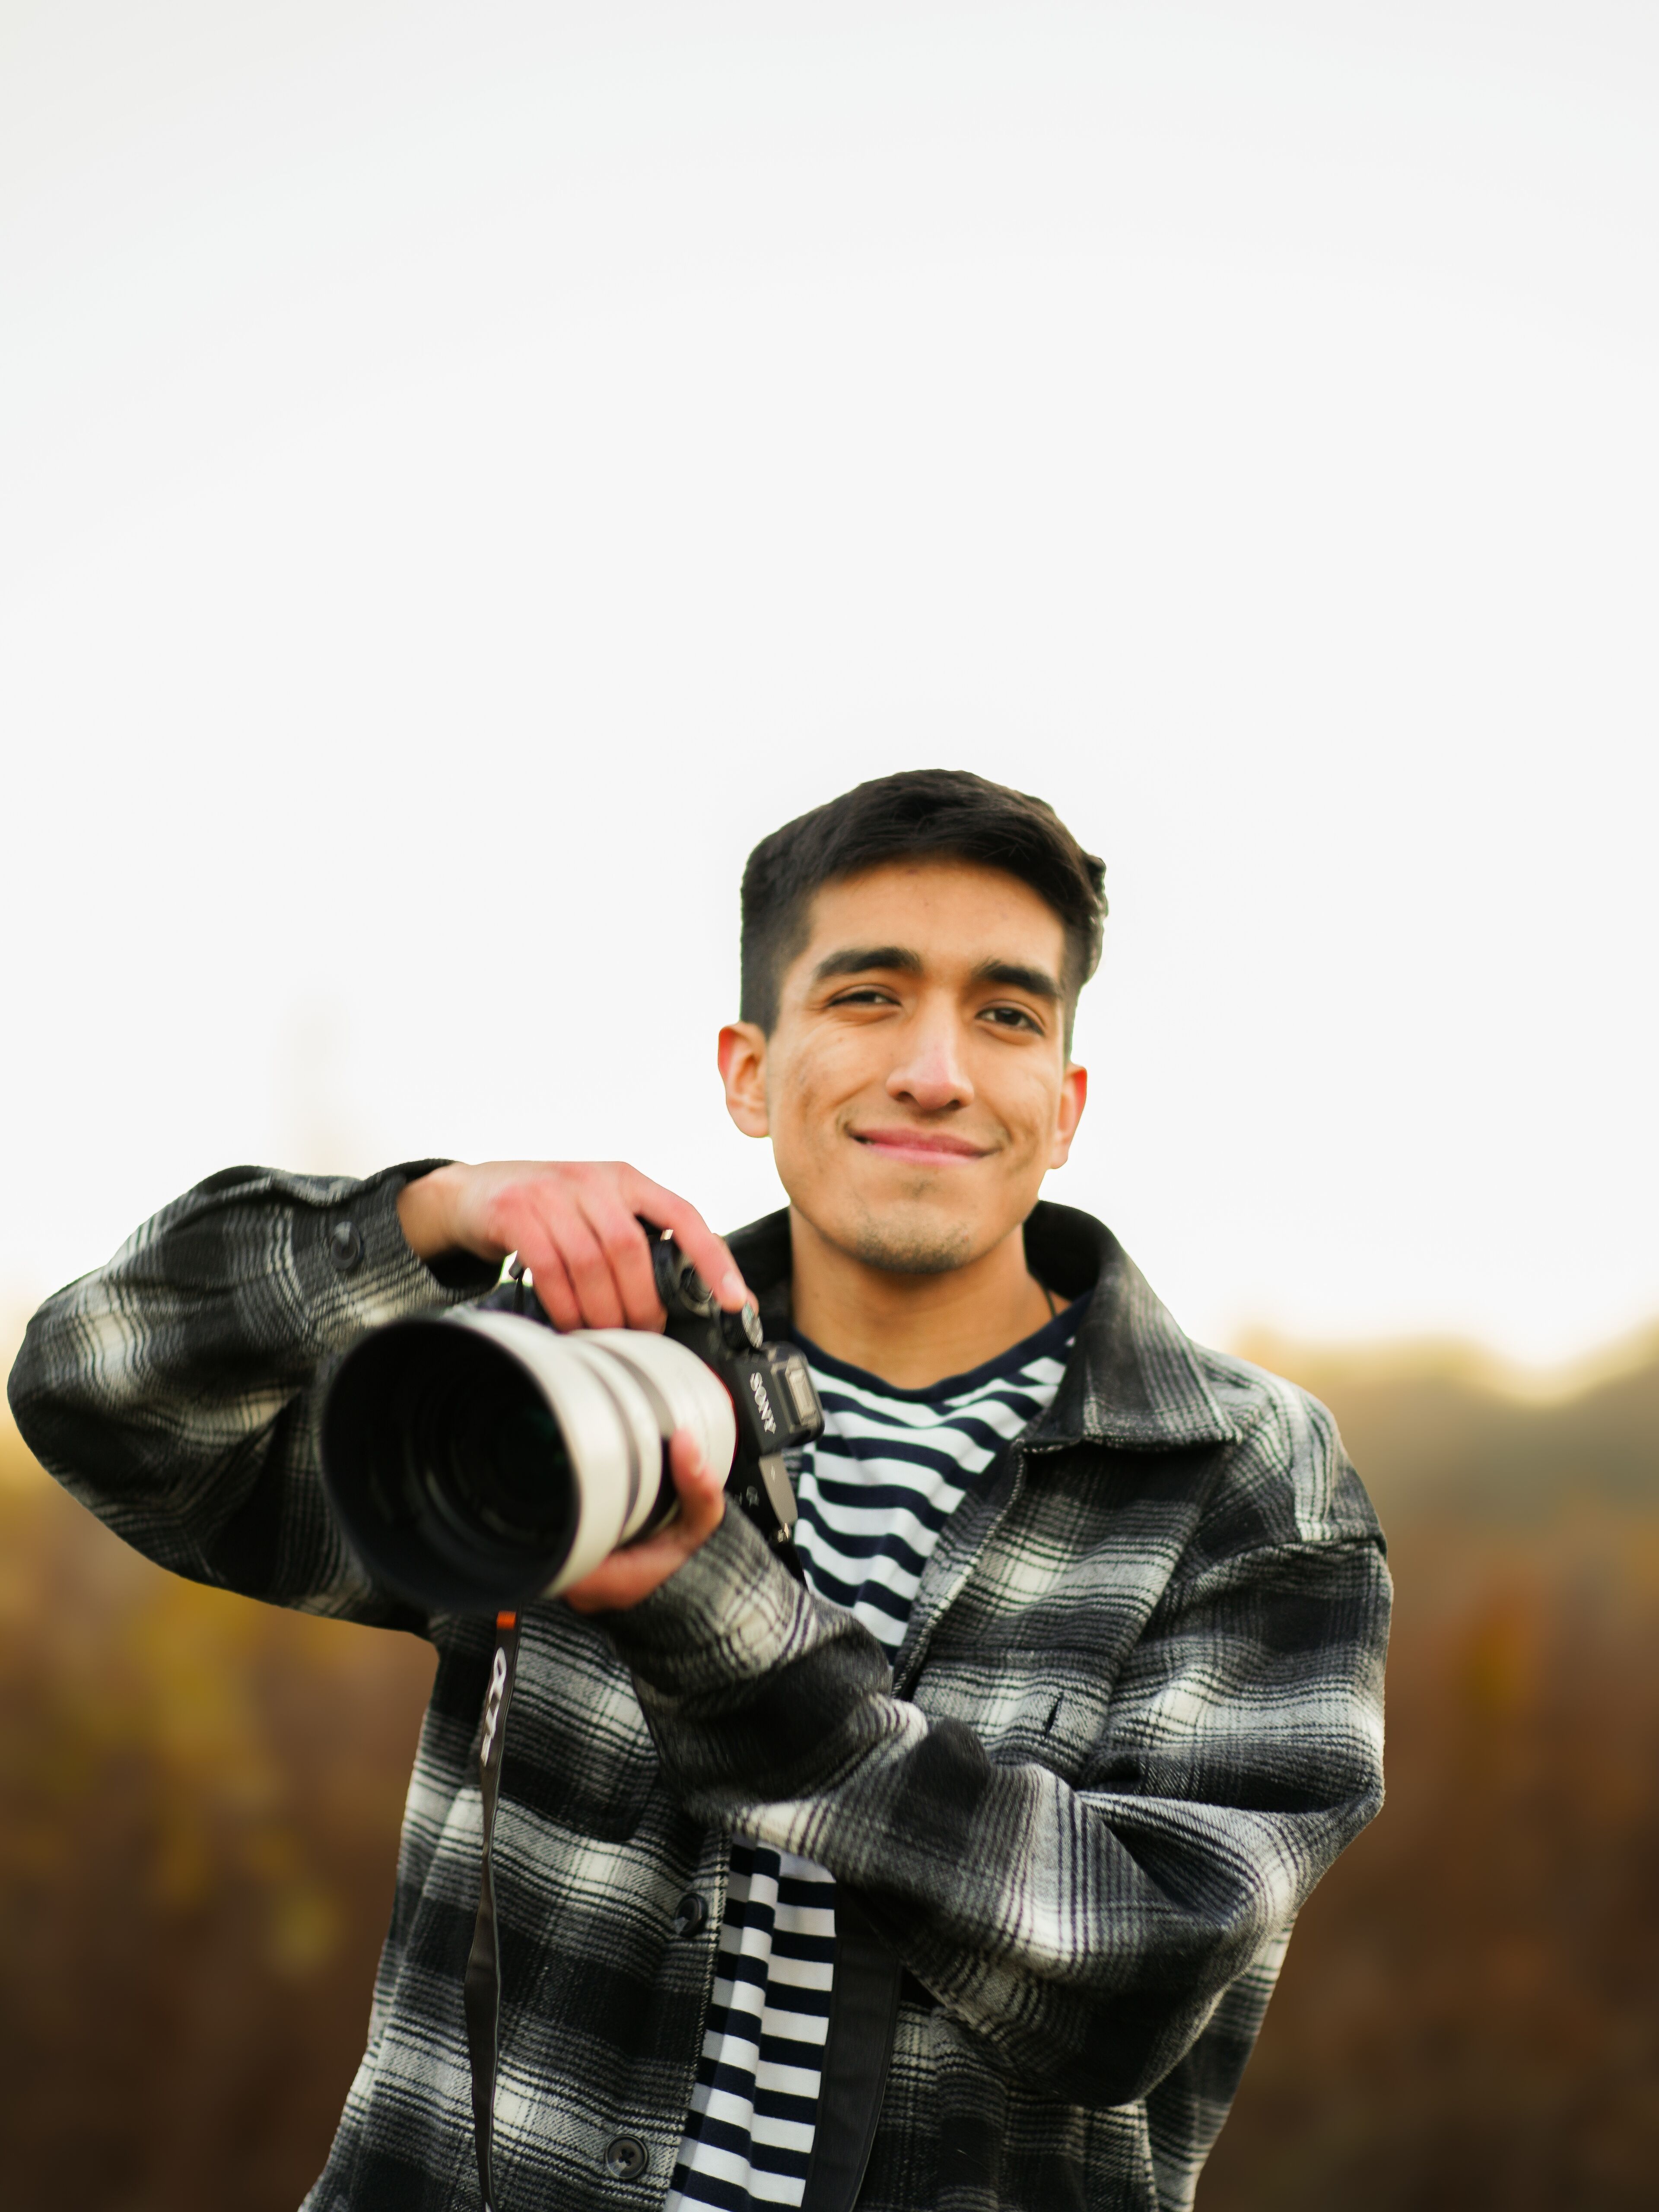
column 923, row 814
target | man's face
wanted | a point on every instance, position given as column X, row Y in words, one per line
column 914, row 1085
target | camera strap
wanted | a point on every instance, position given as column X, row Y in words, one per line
column 481, row 1992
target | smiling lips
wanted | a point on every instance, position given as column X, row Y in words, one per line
column 928, row 1147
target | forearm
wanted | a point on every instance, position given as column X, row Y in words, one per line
column 168, row 1390
column 1083, row 1932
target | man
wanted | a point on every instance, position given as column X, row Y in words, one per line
column 956, row 1874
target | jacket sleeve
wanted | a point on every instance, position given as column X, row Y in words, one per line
column 1084, row 1933
column 173, row 1391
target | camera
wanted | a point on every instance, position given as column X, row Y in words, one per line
column 478, row 1459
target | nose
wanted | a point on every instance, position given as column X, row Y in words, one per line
column 931, row 1074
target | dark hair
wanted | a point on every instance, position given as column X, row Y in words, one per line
column 925, row 813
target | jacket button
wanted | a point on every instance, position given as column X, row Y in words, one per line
column 626, row 2158
column 690, row 1914
column 345, row 1246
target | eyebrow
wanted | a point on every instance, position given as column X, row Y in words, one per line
column 1035, row 981
column 859, row 959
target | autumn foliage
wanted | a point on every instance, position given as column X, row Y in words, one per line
column 199, row 1801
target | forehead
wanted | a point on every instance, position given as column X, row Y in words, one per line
column 950, row 912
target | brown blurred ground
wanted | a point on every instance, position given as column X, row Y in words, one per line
column 1469, row 2014
column 199, row 1802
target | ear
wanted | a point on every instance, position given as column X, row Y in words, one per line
column 742, row 1054
column 1073, row 1097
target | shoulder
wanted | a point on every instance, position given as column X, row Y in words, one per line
column 1255, row 1459
column 1286, row 1476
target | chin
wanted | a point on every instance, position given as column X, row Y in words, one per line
column 913, row 1248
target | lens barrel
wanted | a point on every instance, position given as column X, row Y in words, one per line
column 477, row 1461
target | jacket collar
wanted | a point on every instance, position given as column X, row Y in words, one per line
column 1133, row 1380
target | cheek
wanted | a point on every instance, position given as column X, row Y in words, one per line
column 813, row 1087
column 1026, row 1100
column 795, row 1110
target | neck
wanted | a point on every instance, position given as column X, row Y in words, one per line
column 913, row 1330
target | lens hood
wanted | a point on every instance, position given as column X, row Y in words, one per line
column 477, row 1460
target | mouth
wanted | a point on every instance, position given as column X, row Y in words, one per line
column 918, row 1147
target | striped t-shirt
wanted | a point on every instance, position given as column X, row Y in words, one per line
column 874, row 1493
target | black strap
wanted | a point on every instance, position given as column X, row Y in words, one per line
column 482, row 1993
column 864, row 2001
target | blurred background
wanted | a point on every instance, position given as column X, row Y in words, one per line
column 468, row 474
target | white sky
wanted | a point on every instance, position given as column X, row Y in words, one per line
column 466, row 473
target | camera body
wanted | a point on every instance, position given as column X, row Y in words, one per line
column 478, row 1459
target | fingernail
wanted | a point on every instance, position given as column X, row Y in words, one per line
column 732, row 1284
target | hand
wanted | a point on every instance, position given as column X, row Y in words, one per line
column 572, row 1224
column 638, row 1569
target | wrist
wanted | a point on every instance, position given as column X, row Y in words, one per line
column 426, row 1213
column 730, row 1610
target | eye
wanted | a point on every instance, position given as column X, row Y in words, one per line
column 865, row 995
column 1011, row 1018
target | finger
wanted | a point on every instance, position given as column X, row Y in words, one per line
column 707, row 1252
column 584, row 1259
column 627, row 1253
column 552, row 1284
column 534, row 1209
column 698, row 1486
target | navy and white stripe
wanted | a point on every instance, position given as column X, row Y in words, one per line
column 892, row 1466
column 748, row 2134
column 889, row 1471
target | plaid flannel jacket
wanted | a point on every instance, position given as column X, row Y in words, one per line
column 1136, row 1713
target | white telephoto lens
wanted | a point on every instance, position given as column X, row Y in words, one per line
column 681, row 1392
column 617, row 1395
